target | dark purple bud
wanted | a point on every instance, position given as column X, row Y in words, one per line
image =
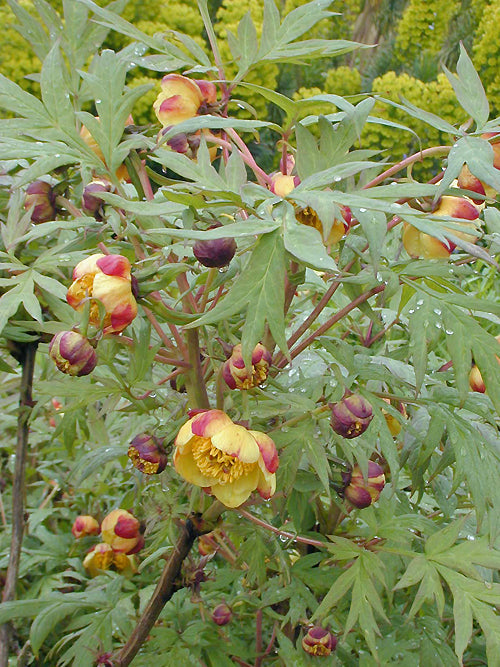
column 351, row 416
column 215, row 252
column 73, row 354
column 91, row 202
column 222, row 614
column 40, row 195
column 319, row 642
column 147, row 454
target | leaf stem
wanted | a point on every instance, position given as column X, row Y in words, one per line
column 416, row 157
column 281, row 533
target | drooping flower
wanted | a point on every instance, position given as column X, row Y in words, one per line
column 91, row 201
column 237, row 376
column 351, row 416
column 104, row 557
column 419, row 244
column 122, row 531
column 319, row 642
column 181, row 98
column 227, row 460
column 72, row 353
column 361, row 492
column 308, row 216
column 40, row 195
column 104, row 278
column 85, row 525
column 147, row 454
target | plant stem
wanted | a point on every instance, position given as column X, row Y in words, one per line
column 258, row 638
column 330, row 322
column 416, row 157
column 27, row 361
column 162, row 594
column 195, row 383
column 281, row 533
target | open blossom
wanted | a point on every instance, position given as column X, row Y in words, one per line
column 104, row 557
column 104, row 278
column 181, row 98
column 308, row 216
column 419, row 244
column 85, row 525
column 122, row 531
column 236, row 374
column 227, row 460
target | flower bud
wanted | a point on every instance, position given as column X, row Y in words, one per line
column 147, row 454
column 208, row 90
column 121, row 530
column 283, row 184
column 180, row 98
column 206, row 545
column 40, row 195
column 476, row 381
column 308, row 216
column 319, row 642
column 72, row 353
column 351, row 416
column 91, row 202
column 215, row 252
column 361, row 492
column 85, row 525
column 237, row 376
column 222, row 614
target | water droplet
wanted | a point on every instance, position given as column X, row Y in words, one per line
column 437, row 311
column 449, row 332
column 223, row 269
column 98, row 101
column 362, row 210
column 438, row 325
column 337, row 179
column 39, row 143
column 57, row 155
column 412, row 310
column 420, row 302
column 488, row 584
column 396, row 205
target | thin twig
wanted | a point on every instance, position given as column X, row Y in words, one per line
column 281, row 533
column 28, row 351
column 258, row 638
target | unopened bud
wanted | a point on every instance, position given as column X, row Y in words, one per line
column 85, row 525
column 121, row 530
column 215, row 253
column 361, row 492
column 91, row 201
column 222, row 614
column 319, row 642
column 73, row 354
column 236, row 374
column 351, row 416
column 40, row 195
column 147, row 454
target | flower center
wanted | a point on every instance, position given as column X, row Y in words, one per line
column 214, row 463
column 308, row 216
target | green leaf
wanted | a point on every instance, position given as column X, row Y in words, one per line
column 55, row 93
column 260, row 286
column 374, row 226
column 305, row 243
column 445, row 538
column 478, row 154
column 462, row 615
column 10, row 611
column 94, row 461
column 458, row 342
column 469, row 89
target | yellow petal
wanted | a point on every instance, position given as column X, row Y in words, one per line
column 208, row 423
column 235, row 493
column 238, row 442
column 186, row 466
column 184, row 435
column 266, row 485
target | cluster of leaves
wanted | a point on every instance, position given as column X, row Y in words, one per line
column 398, row 578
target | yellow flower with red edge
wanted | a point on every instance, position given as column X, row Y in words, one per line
column 226, row 459
column 104, row 557
column 105, row 279
column 236, row 374
column 181, row 98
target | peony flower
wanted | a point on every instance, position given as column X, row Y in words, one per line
column 419, row 244
column 467, row 180
column 91, row 201
column 226, row 459
column 215, row 253
column 122, row 531
column 222, row 614
column 308, row 216
column 72, row 353
column 351, row 416
column 103, row 557
column 181, row 98
column 104, row 278
column 121, row 173
column 361, row 492
column 147, row 454
column 85, row 525
column 40, row 195
column 237, row 376
column 319, row 642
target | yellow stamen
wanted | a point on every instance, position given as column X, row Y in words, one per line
column 214, row 463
